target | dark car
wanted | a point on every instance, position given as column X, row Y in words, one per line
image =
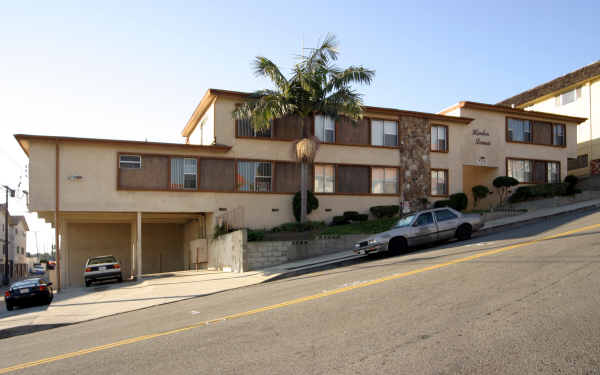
column 27, row 292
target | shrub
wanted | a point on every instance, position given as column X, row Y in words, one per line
column 339, row 220
column 571, row 182
column 255, row 235
column 503, row 184
column 312, row 203
column 299, row 227
column 441, row 203
column 385, row 211
column 459, row 201
column 525, row 193
column 479, row 193
column 351, row 215
column 363, row 217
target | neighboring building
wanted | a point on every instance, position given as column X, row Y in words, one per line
column 17, row 245
column 153, row 205
column 574, row 94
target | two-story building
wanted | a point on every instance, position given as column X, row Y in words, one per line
column 156, row 205
column 574, row 94
column 17, row 244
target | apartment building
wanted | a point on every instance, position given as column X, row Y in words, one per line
column 156, row 205
column 17, row 244
column 574, row 94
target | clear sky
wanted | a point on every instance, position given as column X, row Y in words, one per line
column 136, row 70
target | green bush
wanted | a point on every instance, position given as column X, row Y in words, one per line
column 503, row 184
column 459, row 201
column 351, row 215
column 312, row 203
column 339, row 220
column 255, row 235
column 385, row 211
column 525, row 193
column 363, row 217
column 442, row 203
column 479, row 193
column 571, row 181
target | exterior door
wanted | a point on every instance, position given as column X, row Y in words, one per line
column 539, row 172
column 425, row 229
column 447, row 222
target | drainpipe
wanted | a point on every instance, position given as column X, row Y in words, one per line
column 57, row 217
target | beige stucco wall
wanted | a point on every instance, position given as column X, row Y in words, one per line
column 162, row 247
column 204, row 132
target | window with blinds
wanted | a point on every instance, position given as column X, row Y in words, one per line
column 254, row 176
column 384, row 133
column 130, row 161
column 384, row 180
column 519, row 130
column 184, row 173
column 521, row 170
column 439, row 138
column 558, row 134
column 325, row 128
column 324, row 178
column 439, row 182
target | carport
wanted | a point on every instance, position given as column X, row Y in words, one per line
column 144, row 243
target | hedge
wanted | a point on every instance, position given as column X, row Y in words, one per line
column 458, row 201
column 385, row 211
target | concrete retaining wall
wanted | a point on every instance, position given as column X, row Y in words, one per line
column 232, row 252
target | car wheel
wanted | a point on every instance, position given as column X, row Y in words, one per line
column 120, row 279
column 9, row 306
column 397, row 245
column 87, row 284
column 463, row 232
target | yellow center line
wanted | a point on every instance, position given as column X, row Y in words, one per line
column 286, row 303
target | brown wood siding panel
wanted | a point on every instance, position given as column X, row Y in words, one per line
column 154, row 174
column 287, row 177
column 352, row 179
column 542, row 133
column 287, row 127
column 539, row 172
column 217, row 174
column 350, row 133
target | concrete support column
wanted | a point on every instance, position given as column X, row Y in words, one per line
column 133, row 246
column 138, row 247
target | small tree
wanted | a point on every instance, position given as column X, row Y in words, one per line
column 479, row 193
column 312, row 203
column 503, row 184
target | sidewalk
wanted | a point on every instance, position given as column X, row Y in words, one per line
column 75, row 305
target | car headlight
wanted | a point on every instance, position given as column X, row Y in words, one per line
column 373, row 242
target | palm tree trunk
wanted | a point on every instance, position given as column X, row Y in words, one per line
column 303, row 197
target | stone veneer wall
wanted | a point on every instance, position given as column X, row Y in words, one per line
column 415, row 163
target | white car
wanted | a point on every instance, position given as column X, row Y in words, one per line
column 105, row 267
column 421, row 228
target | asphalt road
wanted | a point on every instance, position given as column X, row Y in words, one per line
column 515, row 302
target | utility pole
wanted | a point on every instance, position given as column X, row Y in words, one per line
column 5, row 279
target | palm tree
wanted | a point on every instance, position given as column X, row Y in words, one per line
column 316, row 86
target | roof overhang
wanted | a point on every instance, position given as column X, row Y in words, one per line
column 515, row 111
column 25, row 143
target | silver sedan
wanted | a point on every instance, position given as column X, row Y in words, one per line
column 421, row 228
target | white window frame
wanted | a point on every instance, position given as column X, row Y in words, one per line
column 323, row 180
column 194, row 173
column 390, row 177
column 434, row 191
column 566, row 98
column 131, row 163
column 435, row 134
column 324, row 124
column 381, row 128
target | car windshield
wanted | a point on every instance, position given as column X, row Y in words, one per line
column 101, row 260
column 405, row 221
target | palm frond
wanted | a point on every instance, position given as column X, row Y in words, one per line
column 353, row 74
column 266, row 68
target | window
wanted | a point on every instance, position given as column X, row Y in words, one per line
column 558, row 134
column 519, row 130
column 424, row 219
column 553, row 169
column 384, row 180
column 325, row 128
column 568, row 97
column 521, row 170
column 439, row 138
column 444, row 215
column 439, row 182
column 184, row 173
column 324, row 178
column 254, row 176
column 384, row 133
column 130, row 161
column 245, row 129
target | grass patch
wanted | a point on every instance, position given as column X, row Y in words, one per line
column 363, row 227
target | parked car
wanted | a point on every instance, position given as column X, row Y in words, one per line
column 37, row 269
column 51, row 264
column 421, row 228
column 28, row 291
column 105, row 267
